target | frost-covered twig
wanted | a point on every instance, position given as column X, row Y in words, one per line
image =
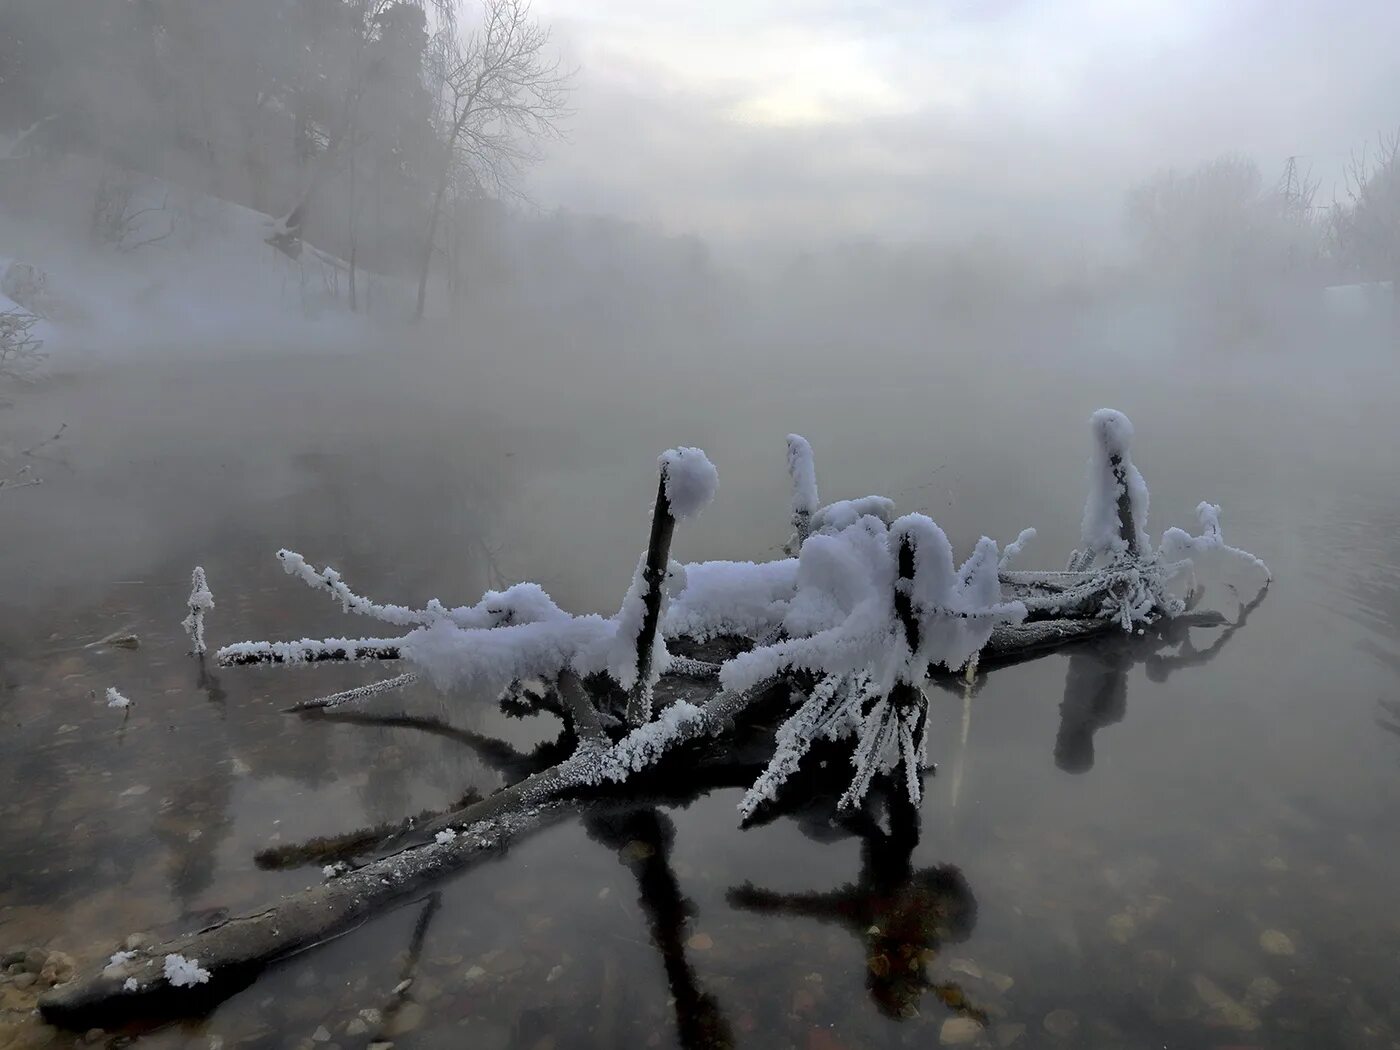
column 520, row 632
column 399, row 615
column 201, row 600
column 1178, row 545
column 308, row 651
column 685, row 667
column 350, row 696
column 1014, row 548
column 521, row 603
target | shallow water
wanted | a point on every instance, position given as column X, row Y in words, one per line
column 1124, row 845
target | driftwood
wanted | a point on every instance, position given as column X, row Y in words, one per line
column 695, row 743
column 236, row 950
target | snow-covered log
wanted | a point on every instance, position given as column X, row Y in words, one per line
column 844, row 635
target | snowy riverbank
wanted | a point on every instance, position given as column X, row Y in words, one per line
column 154, row 268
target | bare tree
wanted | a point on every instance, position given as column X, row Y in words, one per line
column 364, row 72
column 21, row 351
column 1367, row 228
column 501, row 92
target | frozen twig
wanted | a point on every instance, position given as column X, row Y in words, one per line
column 350, row 696
column 201, row 600
column 308, row 651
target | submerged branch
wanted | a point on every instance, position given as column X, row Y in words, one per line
column 236, row 950
column 349, row 696
column 331, row 849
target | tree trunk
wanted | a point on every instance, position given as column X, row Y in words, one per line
column 352, row 232
column 1395, row 307
column 425, row 262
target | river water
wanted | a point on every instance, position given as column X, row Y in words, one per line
column 1125, row 845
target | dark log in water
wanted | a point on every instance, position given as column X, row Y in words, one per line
column 236, row 950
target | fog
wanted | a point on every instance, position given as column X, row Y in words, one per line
column 622, row 226
column 902, row 168
column 421, row 288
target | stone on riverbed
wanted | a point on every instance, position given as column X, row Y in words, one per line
column 1276, row 942
column 959, row 1030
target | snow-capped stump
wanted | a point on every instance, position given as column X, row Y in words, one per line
column 802, row 470
column 1118, row 576
column 688, row 483
column 843, row 636
column 1115, row 516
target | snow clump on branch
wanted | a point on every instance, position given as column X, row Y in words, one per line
column 184, row 973
column 846, row 625
column 691, row 480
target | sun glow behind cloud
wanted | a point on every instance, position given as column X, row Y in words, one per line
column 939, row 117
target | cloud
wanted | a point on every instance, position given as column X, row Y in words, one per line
column 888, row 118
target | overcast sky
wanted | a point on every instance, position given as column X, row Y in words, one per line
column 908, row 119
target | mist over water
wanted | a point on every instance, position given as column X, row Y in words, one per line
column 1182, row 838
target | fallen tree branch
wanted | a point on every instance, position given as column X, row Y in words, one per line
column 236, row 950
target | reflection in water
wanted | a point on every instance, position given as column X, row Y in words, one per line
column 208, row 683
column 195, row 817
column 1096, row 695
column 403, row 990
column 1096, row 683
column 902, row 915
column 643, row 838
column 1389, row 718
